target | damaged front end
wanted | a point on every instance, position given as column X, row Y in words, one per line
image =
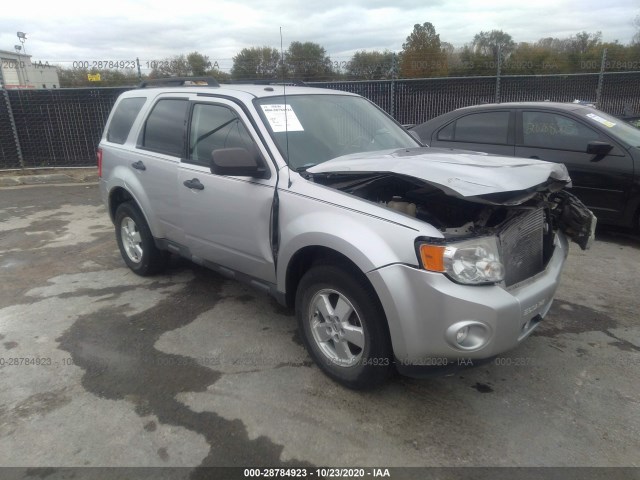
column 573, row 218
column 498, row 237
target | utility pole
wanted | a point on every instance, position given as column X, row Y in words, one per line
column 23, row 38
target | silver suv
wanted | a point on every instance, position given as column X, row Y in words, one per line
column 394, row 256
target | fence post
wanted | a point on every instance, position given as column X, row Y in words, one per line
column 601, row 77
column 394, row 68
column 499, row 68
column 12, row 121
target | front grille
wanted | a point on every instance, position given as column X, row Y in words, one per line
column 521, row 247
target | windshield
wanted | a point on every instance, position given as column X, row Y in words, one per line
column 323, row 127
column 614, row 126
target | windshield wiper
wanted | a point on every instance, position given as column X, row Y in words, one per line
column 304, row 167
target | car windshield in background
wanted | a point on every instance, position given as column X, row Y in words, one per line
column 618, row 128
column 323, row 127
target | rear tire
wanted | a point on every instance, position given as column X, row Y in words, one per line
column 136, row 243
column 343, row 327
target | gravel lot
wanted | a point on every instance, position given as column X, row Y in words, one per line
column 189, row 369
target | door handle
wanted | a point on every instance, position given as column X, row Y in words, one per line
column 138, row 165
column 193, row 184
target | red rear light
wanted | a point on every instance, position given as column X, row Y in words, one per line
column 99, row 156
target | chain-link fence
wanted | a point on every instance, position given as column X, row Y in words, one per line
column 56, row 128
column 62, row 128
column 10, row 156
column 416, row 101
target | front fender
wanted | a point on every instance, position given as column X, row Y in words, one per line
column 369, row 242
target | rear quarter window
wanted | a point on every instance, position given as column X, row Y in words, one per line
column 123, row 118
column 447, row 132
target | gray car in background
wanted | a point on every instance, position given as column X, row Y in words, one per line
column 601, row 152
column 394, row 256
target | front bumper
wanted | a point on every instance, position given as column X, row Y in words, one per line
column 421, row 307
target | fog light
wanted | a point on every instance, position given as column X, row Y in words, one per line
column 461, row 335
column 468, row 335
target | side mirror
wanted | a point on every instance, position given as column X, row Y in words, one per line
column 599, row 149
column 236, row 162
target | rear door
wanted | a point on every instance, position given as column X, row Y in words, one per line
column 155, row 161
column 487, row 131
column 226, row 218
column 603, row 184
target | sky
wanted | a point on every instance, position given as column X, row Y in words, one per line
column 67, row 30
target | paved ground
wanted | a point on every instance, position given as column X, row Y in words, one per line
column 42, row 176
column 190, row 369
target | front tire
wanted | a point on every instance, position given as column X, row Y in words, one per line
column 136, row 243
column 343, row 327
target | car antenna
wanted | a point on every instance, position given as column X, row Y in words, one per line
column 286, row 122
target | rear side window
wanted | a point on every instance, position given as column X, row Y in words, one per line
column 123, row 118
column 164, row 129
column 486, row 127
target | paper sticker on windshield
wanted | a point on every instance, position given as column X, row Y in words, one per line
column 280, row 119
column 601, row 120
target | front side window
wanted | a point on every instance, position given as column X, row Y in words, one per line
column 123, row 118
column 486, row 127
column 550, row 130
column 214, row 127
column 164, row 129
column 612, row 125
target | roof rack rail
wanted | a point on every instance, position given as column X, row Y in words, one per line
column 273, row 81
column 178, row 81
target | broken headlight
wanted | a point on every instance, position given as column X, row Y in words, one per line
column 474, row 262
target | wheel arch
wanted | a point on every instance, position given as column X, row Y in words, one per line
column 118, row 196
column 634, row 221
column 309, row 256
column 630, row 217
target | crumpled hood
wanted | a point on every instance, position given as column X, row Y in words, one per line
column 456, row 172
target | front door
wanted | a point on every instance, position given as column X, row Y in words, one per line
column 226, row 218
column 603, row 184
